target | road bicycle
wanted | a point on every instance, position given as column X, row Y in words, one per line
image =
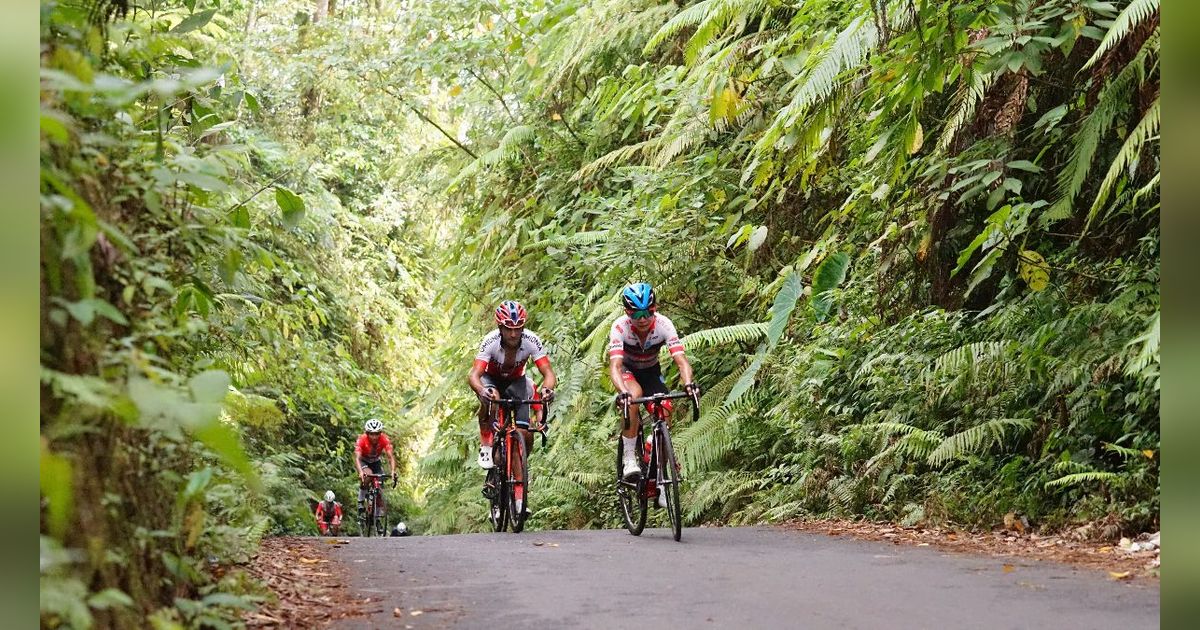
column 660, row 468
column 507, row 482
column 371, row 523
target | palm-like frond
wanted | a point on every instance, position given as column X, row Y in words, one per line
column 1133, row 14
column 720, row 489
column 1083, row 477
column 710, row 17
column 966, row 100
column 750, row 331
column 1114, row 98
column 1146, row 128
column 977, row 438
column 622, row 154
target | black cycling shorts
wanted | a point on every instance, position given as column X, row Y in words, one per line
column 520, row 388
column 650, row 379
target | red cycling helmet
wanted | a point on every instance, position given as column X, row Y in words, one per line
column 511, row 314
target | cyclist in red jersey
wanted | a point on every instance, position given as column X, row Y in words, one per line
column 500, row 368
column 368, row 458
column 329, row 515
column 633, row 344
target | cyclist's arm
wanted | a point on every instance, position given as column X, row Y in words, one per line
column 391, row 459
column 549, row 380
column 615, row 373
column 473, row 377
column 685, row 368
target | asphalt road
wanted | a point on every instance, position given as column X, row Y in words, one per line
column 753, row 577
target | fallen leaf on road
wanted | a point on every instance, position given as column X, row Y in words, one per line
column 922, row 544
column 538, row 543
column 396, row 612
column 311, row 560
column 415, row 613
column 1105, row 549
column 553, row 544
column 1008, row 568
column 1120, row 575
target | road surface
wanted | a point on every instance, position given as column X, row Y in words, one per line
column 753, row 577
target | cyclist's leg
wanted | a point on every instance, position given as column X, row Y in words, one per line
column 485, row 418
column 377, row 468
column 652, row 382
column 635, row 391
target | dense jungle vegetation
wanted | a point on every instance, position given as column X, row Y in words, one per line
column 913, row 246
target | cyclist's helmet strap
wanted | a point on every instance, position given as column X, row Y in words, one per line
column 638, row 296
column 511, row 314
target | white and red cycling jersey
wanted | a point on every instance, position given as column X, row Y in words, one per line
column 492, row 355
column 637, row 352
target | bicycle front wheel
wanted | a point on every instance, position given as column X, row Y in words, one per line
column 518, row 495
column 498, row 506
column 669, row 479
column 367, row 526
column 631, row 495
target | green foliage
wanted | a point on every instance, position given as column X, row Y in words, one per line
column 258, row 232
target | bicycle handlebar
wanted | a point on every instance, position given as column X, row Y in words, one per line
column 659, row 398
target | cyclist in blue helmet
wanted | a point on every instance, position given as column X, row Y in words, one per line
column 633, row 345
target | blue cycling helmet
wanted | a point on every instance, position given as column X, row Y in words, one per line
column 638, row 296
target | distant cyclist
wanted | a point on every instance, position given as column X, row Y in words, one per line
column 329, row 515
column 500, row 369
column 633, row 344
column 368, row 458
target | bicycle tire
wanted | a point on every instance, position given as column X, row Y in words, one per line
column 499, row 511
column 632, row 500
column 668, row 469
column 368, row 523
column 380, row 521
column 519, row 461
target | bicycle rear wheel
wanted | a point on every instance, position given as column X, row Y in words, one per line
column 669, row 477
column 518, row 490
column 631, row 495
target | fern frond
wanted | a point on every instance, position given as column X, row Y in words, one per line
column 751, row 331
column 1083, row 477
column 966, row 100
column 622, row 154
column 1148, row 353
column 1146, row 128
column 976, row 438
column 721, row 489
column 1113, row 99
column 1133, row 14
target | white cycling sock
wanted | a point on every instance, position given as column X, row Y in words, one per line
column 629, row 447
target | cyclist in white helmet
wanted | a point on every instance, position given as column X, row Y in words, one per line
column 329, row 515
column 368, row 458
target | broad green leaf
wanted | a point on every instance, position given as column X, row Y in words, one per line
column 291, row 205
column 240, row 218
column 828, row 276
column 194, row 21
column 747, row 378
column 110, row 598
column 1032, row 268
column 785, row 303
column 211, row 386
column 757, row 238
column 223, row 440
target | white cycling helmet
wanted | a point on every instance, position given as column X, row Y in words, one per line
column 373, row 426
column 329, row 496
